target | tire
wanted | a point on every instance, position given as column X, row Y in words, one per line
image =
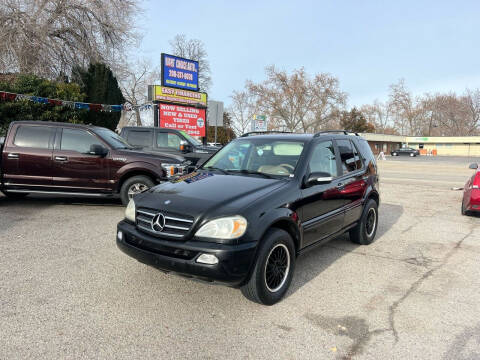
column 142, row 183
column 364, row 232
column 464, row 211
column 394, row 154
column 13, row 195
column 412, row 154
column 276, row 245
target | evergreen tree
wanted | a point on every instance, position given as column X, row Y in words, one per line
column 100, row 87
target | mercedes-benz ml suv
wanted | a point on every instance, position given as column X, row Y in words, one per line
column 244, row 216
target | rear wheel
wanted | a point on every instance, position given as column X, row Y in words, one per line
column 364, row 232
column 394, row 154
column 412, row 154
column 464, row 210
column 273, row 269
column 133, row 186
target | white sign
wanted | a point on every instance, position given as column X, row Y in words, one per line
column 259, row 125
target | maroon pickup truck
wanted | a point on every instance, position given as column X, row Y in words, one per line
column 78, row 160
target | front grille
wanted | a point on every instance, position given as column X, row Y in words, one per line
column 176, row 225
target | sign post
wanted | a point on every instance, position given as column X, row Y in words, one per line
column 215, row 114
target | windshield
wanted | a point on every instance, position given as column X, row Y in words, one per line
column 191, row 139
column 261, row 156
column 112, row 139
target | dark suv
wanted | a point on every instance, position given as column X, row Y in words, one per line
column 168, row 141
column 78, row 160
column 244, row 216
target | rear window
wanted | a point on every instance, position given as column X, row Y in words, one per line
column 33, row 136
column 139, row 138
column 347, row 156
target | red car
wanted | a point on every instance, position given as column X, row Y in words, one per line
column 471, row 193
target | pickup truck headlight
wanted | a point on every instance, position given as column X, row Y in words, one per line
column 231, row 227
column 130, row 212
column 172, row 170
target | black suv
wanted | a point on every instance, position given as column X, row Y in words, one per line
column 168, row 141
column 244, row 216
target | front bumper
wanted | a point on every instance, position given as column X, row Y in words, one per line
column 232, row 269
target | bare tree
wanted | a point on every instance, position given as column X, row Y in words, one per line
column 471, row 99
column 242, row 109
column 380, row 115
column 194, row 49
column 301, row 102
column 49, row 37
column 134, row 80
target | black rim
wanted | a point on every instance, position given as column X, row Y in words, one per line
column 277, row 267
column 371, row 222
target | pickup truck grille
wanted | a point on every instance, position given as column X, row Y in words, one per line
column 163, row 223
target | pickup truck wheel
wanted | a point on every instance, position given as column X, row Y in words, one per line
column 133, row 186
column 13, row 195
column 364, row 232
column 273, row 269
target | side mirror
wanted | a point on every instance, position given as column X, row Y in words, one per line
column 317, row 178
column 98, row 150
column 473, row 166
column 185, row 147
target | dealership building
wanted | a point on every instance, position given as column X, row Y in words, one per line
column 435, row 145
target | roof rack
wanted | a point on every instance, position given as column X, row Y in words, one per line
column 265, row 132
column 344, row 132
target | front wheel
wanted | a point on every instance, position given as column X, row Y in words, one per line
column 133, row 186
column 364, row 232
column 273, row 269
column 394, row 154
column 412, row 154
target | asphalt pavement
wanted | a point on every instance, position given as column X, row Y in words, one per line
column 67, row 292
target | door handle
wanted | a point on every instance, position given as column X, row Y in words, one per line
column 12, row 156
column 340, row 186
column 61, row 158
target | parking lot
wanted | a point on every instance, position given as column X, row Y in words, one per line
column 66, row 291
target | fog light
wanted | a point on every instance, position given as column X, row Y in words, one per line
column 120, row 235
column 207, row 259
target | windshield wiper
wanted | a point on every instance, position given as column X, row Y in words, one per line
column 253, row 172
column 215, row 168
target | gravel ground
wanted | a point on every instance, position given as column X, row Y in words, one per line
column 67, row 292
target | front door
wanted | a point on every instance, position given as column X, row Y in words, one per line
column 27, row 157
column 74, row 168
column 321, row 205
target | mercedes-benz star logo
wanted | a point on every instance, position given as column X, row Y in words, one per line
column 158, row 222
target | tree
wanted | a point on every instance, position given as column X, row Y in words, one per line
column 225, row 133
column 355, row 121
column 194, row 49
column 380, row 115
column 50, row 37
column 135, row 78
column 301, row 102
column 244, row 105
column 28, row 110
column 100, row 87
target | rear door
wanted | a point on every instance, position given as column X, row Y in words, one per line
column 322, row 204
column 352, row 184
column 27, row 156
column 74, row 168
column 142, row 138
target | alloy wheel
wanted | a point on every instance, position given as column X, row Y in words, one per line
column 135, row 189
column 277, row 267
column 371, row 222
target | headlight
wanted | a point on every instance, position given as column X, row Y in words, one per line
column 230, row 227
column 173, row 169
column 130, row 211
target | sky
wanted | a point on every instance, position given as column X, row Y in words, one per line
column 367, row 45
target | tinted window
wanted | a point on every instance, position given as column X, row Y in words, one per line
column 169, row 140
column 78, row 140
column 140, row 138
column 323, row 159
column 347, row 156
column 358, row 159
column 111, row 138
column 33, row 136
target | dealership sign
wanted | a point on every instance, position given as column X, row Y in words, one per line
column 186, row 118
column 179, row 73
column 178, row 96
